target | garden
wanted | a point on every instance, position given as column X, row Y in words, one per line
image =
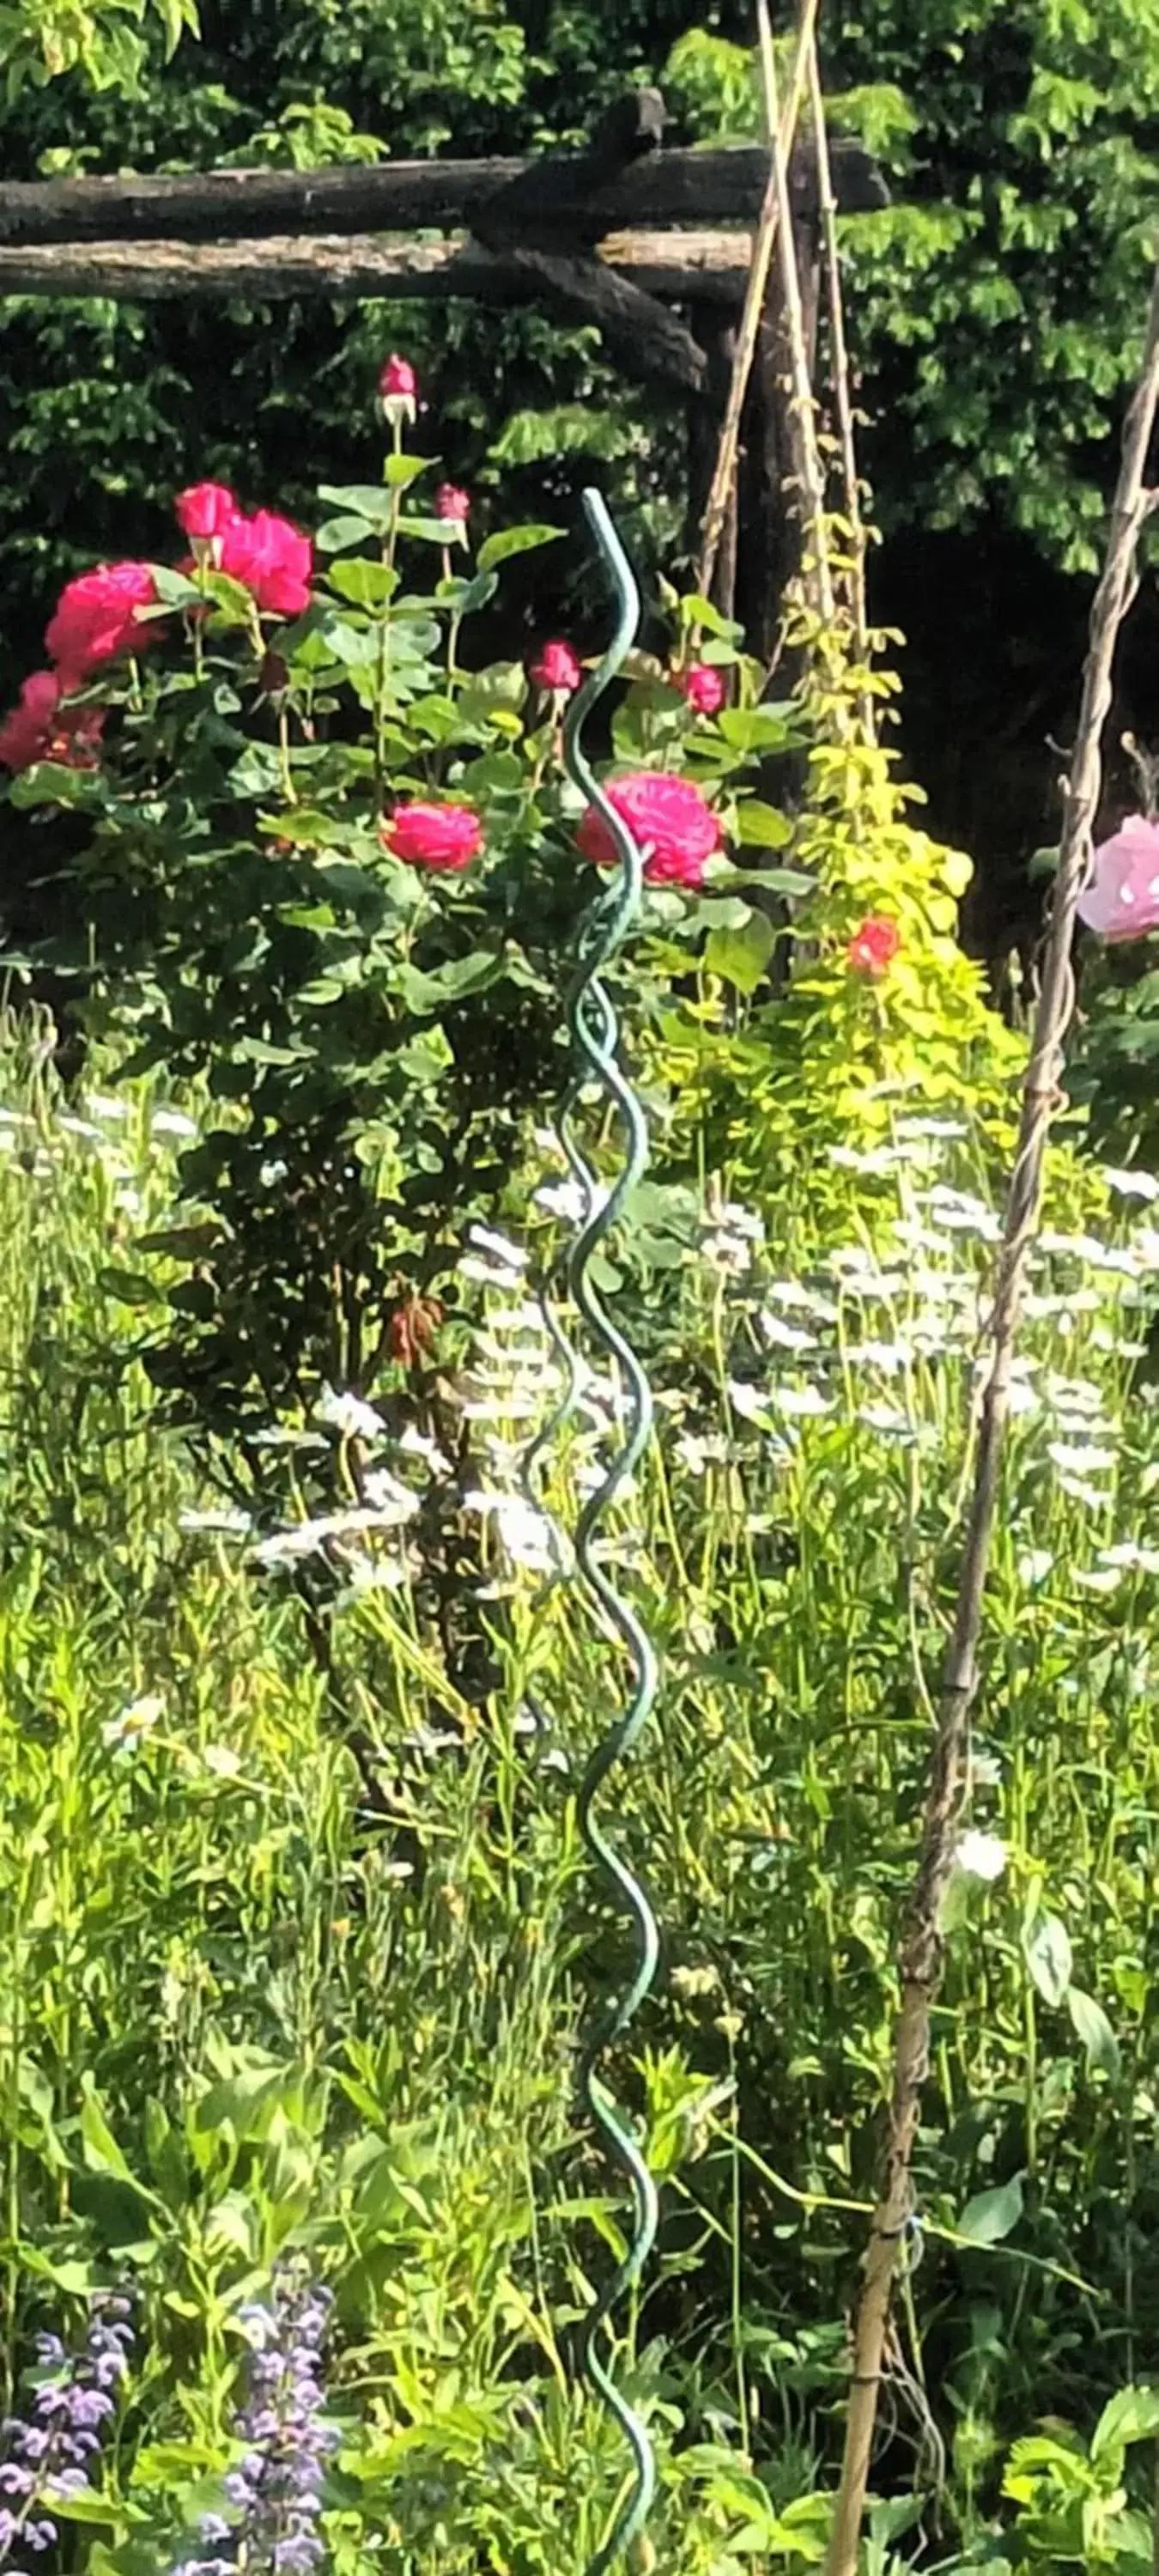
column 579, row 1435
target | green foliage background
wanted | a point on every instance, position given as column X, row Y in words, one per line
column 996, row 305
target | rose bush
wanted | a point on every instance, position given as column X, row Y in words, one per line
column 330, row 873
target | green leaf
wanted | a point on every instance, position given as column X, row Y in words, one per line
column 761, row 826
column 1094, row 2030
column 1049, row 1957
column 366, row 582
column 175, row 588
column 464, row 597
column 500, row 689
column 102, row 2155
column 335, row 535
column 258, row 772
column 96, row 2510
column 470, row 974
column 758, row 729
column 1131, row 2416
column 401, row 470
column 372, row 507
column 787, row 881
column 696, row 611
column 52, row 782
column 990, row 2215
column 741, row 956
column 129, row 1287
column 515, row 541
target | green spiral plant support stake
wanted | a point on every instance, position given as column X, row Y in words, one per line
column 592, row 1021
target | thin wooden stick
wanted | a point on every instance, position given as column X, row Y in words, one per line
column 802, row 416
column 764, row 244
column 839, row 360
column 920, row 1950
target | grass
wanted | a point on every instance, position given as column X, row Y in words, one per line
column 246, row 2006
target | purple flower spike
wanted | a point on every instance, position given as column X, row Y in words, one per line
column 46, row 2450
column 276, row 2487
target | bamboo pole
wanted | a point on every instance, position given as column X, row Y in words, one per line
column 839, row 361
column 920, row 1949
column 807, row 471
column 764, row 244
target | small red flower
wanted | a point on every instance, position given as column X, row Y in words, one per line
column 668, row 817
column 97, row 617
column 451, row 502
column 702, row 685
column 40, row 729
column 205, row 511
column 443, row 837
column 873, row 948
column 556, row 667
column 272, row 559
column 398, row 377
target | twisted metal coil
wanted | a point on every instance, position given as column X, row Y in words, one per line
column 592, row 1022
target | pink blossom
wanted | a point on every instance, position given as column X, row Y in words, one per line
column 41, row 729
column 97, row 617
column 205, row 511
column 673, row 826
column 398, row 379
column 1122, row 899
column 703, row 687
column 451, row 502
column 272, row 559
column 556, row 666
column 873, row 948
column 443, row 837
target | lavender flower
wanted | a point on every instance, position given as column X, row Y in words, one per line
column 276, row 2489
column 47, row 2451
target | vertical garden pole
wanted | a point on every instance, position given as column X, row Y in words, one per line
column 920, row 1953
column 592, row 1021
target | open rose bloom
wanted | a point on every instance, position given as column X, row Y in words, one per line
column 97, row 617
column 674, row 828
column 443, row 837
column 703, row 687
column 1122, row 899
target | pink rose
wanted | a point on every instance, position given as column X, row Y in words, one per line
column 96, row 618
column 398, row 379
column 451, row 502
column 39, row 729
column 668, row 818
column 873, row 948
column 556, row 667
column 444, row 837
column 1122, row 899
column 272, row 559
column 205, row 511
column 702, row 685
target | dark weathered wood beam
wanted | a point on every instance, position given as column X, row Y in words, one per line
column 235, row 205
column 679, row 266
